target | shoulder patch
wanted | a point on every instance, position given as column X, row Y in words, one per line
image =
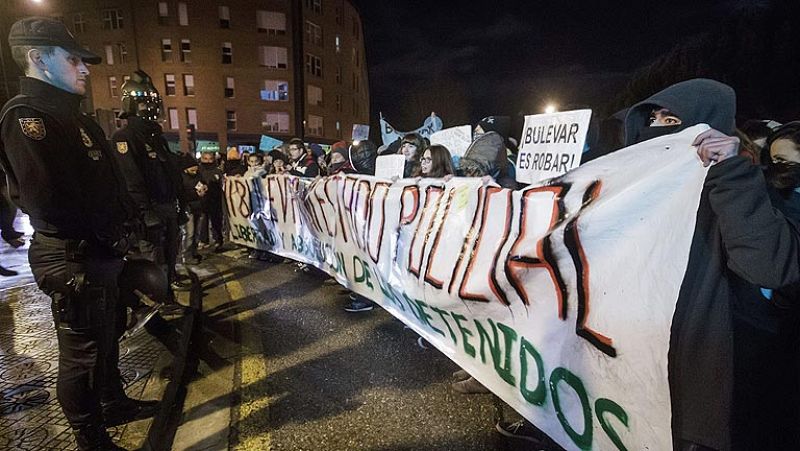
column 87, row 141
column 122, row 147
column 33, row 128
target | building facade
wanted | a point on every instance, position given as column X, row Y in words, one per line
column 235, row 69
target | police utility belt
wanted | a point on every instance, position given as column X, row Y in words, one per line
column 78, row 304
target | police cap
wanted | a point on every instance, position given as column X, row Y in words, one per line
column 35, row 31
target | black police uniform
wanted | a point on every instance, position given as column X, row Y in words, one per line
column 154, row 182
column 62, row 173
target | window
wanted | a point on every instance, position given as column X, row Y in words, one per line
column 227, row 53
column 112, row 19
column 338, row 42
column 338, row 129
column 166, row 50
column 314, row 5
column 186, row 51
column 338, row 102
column 313, row 65
column 339, row 18
column 123, row 52
column 169, row 84
column 163, row 13
column 271, row 22
column 191, row 117
column 275, row 91
column 338, row 75
column 355, row 58
column 112, row 86
column 78, row 23
column 229, row 87
column 188, row 84
column 355, row 83
column 224, row 17
column 173, row 118
column 274, row 57
column 355, row 27
column 109, row 54
column 183, row 14
column 230, row 118
column 315, row 127
column 313, row 33
column 274, row 121
column 117, row 120
column 314, row 95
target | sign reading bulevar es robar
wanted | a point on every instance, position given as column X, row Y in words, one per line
column 551, row 144
column 558, row 298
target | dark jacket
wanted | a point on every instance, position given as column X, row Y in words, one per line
column 305, row 167
column 211, row 175
column 189, row 182
column 60, row 169
column 149, row 168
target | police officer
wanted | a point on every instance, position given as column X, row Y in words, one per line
column 61, row 172
column 150, row 170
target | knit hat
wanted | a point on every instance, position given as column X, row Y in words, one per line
column 499, row 124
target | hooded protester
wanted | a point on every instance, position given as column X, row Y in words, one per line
column 340, row 160
column 740, row 243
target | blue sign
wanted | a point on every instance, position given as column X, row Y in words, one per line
column 268, row 143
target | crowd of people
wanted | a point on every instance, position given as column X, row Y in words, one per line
column 113, row 222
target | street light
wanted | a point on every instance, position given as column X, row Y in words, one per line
column 550, row 109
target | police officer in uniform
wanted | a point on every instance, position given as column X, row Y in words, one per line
column 150, row 171
column 62, row 173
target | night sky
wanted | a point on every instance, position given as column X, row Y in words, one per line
column 467, row 60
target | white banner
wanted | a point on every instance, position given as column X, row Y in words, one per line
column 431, row 125
column 456, row 139
column 551, row 144
column 558, row 298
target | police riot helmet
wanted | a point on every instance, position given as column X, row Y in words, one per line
column 141, row 98
column 142, row 277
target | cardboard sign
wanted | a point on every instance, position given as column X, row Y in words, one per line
column 268, row 143
column 551, row 144
column 360, row 132
column 388, row 166
column 456, row 139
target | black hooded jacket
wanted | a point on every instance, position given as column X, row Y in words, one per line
column 740, row 243
column 697, row 101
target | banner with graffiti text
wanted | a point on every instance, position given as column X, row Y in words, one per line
column 557, row 297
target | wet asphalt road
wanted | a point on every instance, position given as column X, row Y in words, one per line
column 348, row 381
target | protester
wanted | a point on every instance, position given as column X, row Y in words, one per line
column 411, row 147
column 211, row 204
column 233, row 163
column 193, row 191
column 302, row 162
column 436, row 162
column 740, row 244
column 280, row 163
column 340, row 160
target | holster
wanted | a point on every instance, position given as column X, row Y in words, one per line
column 80, row 305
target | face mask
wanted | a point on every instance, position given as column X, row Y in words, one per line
column 207, row 165
column 784, row 177
column 648, row 133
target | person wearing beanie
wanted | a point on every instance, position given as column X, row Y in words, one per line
column 340, row 160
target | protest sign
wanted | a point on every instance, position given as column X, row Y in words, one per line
column 456, row 139
column 360, row 132
column 268, row 143
column 388, row 166
column 551, row 144
column 558, row 298
column 431, row 125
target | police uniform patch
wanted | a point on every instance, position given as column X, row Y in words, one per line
column 86, row 140
column 33, row 128
column 122, row 147
column 95, row 154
